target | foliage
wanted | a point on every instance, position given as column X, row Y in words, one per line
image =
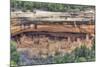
column 81, row 54
column 14, row 54
column 28, row 5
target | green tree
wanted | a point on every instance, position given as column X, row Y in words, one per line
column 14, row 54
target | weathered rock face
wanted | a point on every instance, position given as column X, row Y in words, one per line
column 42, row 45
column 90, row 29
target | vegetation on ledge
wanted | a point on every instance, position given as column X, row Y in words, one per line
column 56, row 7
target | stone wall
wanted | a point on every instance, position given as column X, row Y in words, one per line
column 44, row 45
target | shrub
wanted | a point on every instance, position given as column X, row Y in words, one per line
column 81, row 54
column 14, row 54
